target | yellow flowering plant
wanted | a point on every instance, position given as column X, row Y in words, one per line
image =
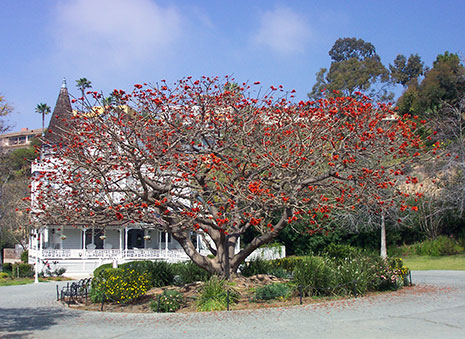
column 119, row 285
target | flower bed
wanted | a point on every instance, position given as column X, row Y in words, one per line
column 314, row 278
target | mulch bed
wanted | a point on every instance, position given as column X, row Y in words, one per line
column 246, row 287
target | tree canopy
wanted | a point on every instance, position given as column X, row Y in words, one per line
column 351, row 48
column 5, row 109
column 439, row 99
column 82, row 84
column 43, row 109
column 14, row 186
column 443, row 84
column 404, row 71
column 355, row 67
column 197, row 157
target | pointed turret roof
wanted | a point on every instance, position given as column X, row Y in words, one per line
column 60, row 117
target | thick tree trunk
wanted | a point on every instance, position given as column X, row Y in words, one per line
column 383, row 250
column 204, row 262
column 226, row 263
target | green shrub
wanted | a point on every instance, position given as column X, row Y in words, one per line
column 4, row 275
column 7, row 267
column 188, row 272
column 341, row 252
column 22, row 271
column 25, row 256
column 388, row 274
column 120, row 285
column 316, row 276
column 461, row 241
column 261, row 266
column 272, row 291
column 396, row 251
column 59, row 272
column 256, row 266
column 442, row 245
column 397, row 263
column 160, row 273
column 101, row 268
column 445, row 246
column 353, row 275
column 214, row 294
column 402, row 271
column 50, row 272
column 404, row 250
column 138, row 266
column 168, row 301
column 280, row 272
column 288, row 264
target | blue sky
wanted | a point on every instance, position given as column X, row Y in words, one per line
column 118, row 43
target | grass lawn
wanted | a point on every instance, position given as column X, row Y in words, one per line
column 25, row 281
column 423, row 263
column 12, row 282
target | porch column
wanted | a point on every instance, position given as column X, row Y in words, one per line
column 145, row 240
column 41, row 241
column 36, row 272
column 166, row 244
column 125, row 238
column 238, row 244
column 61, row 237
column 198, row 241
column 46, row 236
column 120, row 240
column 83, row 241
column 159, row 240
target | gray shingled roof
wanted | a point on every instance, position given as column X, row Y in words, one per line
column 60, row 117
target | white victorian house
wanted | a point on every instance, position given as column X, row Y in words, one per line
column 81, row 250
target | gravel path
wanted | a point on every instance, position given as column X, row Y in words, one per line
column 435, row 309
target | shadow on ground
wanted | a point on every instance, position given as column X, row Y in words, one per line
column 17, row 322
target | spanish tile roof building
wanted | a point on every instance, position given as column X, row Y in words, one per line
column 20, row 139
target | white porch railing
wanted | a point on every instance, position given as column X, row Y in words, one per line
column 105, row 253
column 41, row 167
column 54, row 254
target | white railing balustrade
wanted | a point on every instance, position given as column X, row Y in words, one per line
column 55, row 254
column 148, row 253
column 142, row 253
column 105, row 253
column 177, row 254
column 42, row 167
column 32, row 252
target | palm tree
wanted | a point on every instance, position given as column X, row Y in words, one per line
column 82, row 84
column 43, row 109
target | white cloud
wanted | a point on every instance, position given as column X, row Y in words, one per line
column 114, row 33
column 283, row 30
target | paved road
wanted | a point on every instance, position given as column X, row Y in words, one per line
column 435, row 310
